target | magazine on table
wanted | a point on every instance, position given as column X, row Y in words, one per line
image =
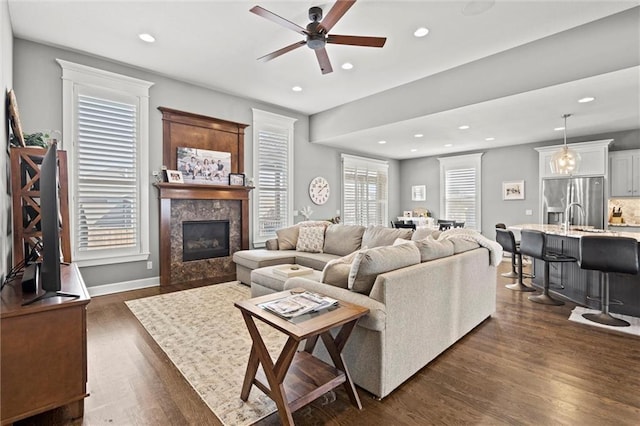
column 298, row 304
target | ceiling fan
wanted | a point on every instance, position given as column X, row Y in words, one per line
column 316, row 33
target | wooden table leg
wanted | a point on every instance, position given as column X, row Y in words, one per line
column 335, row 347
column 275, row 373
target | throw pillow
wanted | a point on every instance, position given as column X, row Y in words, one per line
column 342, row 239
column 422, row 233
column 311, row 239
column 336, row 271
column 376, row 236
column 287, row 238
column 369, row 263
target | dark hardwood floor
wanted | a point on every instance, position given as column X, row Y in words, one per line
column 527, row 364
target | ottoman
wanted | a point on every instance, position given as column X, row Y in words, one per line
column 266, row 281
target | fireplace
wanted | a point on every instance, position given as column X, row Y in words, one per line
column 204, row 239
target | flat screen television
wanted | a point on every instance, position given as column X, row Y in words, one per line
column 50, row 227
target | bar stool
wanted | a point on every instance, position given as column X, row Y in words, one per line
column 512, row 273
column 608, row 254
column 506, row 239
column 534, row 244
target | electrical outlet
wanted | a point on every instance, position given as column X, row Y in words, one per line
column 528, row 212
column 149, row 264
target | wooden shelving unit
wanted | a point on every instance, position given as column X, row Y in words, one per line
column 25, row 190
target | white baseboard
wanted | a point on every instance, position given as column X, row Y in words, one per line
column 101, row 290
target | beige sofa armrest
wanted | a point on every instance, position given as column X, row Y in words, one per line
column 271, row 244
column 374, row 320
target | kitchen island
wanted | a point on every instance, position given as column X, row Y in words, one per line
column 582, row 286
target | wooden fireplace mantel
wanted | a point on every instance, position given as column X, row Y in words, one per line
column 185, row 191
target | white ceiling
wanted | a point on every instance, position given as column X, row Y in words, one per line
column 215, row 44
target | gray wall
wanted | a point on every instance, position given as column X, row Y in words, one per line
column 39, row 88
column 6, row 82
column 518, row 162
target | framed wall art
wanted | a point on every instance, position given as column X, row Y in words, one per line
column 419, row 193
column 236, row 179
column 204, row 166
column 513, row 190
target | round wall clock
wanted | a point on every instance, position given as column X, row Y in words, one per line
column 319, row 190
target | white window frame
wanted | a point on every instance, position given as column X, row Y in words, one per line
column 111, row 86
column 369, row 164
column 268, row 121
column 462, row 162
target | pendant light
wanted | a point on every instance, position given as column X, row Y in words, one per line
column 566, row 161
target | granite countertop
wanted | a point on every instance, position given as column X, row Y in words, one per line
column 622, row 225
column 575, row 231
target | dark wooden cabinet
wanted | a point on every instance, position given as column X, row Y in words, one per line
column 43, row 350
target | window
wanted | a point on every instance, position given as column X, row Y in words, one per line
column 365, row 185
column 105, row 124
column 273, row 171
column 460, row 189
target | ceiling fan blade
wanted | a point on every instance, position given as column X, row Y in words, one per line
column 260, row 11
column 323, row 60
column 356, row 40
column 282, row 51
column 336, row 12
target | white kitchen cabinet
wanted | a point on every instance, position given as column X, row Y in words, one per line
column 624, row 173
column 593, row 157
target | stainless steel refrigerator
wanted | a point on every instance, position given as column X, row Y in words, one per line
column 588, row 191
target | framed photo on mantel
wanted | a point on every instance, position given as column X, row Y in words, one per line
column 236, row 179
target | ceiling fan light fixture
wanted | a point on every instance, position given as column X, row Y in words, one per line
column 565, row 161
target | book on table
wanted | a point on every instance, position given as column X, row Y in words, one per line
column 298, row 304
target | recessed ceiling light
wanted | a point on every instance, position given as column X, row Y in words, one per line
column 347, row 66
column 586, row 99
column 421, row 32
column 448, row 145
column 382, row 142
column 147, row 37
column 463, row 127
column 557, row 129
column 414, row 150
column 489, row 139
column 296, row 89
column 418, row 135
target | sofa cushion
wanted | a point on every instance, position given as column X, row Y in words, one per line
column 314, row 260
column 342, row 240
column 429, row 248
column 368, row 263
column 422, row 233
column 311, row 239
column 460, row 245
column 376, row 236
column 336, row 271
column 259, row 258
column 287, row 238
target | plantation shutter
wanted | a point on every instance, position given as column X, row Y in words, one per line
column 273, row 182
column 461, row 196
column 364, row 191
column 460, row 189
column 106, row 200
column 273, row 171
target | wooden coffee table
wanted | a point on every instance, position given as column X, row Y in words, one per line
column 297, row 377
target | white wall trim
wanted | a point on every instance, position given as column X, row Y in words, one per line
column 101, row 290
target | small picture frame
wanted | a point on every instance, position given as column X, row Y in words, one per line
column 513, row 190
column 419, row 193
column 236, row 179
column 407, row 213
column 173, row 176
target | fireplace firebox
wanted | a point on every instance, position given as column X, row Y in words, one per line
column 205, row 239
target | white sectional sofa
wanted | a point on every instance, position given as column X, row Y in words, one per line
column 446, row 288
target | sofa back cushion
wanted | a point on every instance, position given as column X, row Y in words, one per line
column 336, row 271
column 288, row 237
column 422, row 233
column 460, row 245
column 430, row 249
column 342, row 240
column 368, row 263
column 376, row 236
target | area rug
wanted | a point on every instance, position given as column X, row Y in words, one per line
column 634, row 328
column 205, row 336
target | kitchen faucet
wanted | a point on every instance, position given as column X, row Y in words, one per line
column 567, row 221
